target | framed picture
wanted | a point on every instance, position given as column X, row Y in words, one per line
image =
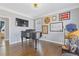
column 64, row 16
column 54, row 18
column 45, row 29
column 56, row 27
column 22, row 22
column 47, row 20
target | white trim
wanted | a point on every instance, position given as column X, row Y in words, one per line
column 4, row 17
column 61, row 43
column 12, row 11
column 11, row 43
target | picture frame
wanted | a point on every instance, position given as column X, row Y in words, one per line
column 45, row 29
column 22, row 22
column 56, row 27
column 47, row 20
column 54, row 18
column 64, row 16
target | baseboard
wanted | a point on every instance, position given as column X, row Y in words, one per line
column 53, row 42
column 40, row 39
column 11, row 43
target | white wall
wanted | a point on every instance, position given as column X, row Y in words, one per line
column 15, row 31
column 58, row 37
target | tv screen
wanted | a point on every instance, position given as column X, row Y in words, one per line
column 21, row 22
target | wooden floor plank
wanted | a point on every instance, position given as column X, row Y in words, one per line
column 44, row 48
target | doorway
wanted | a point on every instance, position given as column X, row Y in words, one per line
column 4, row 34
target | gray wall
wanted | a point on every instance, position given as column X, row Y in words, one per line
column 58, row 37
column 75, row 16
column 15, row 31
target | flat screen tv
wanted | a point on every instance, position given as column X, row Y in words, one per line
column 22, row 22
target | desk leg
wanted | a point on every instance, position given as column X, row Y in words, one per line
column 36, row 41
column 22, row 40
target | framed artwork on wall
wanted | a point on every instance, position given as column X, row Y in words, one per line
column 64, row 16
column 56, row 27
column 54, row 18
column 45, row 29
column 47, row 20
column 22, row 22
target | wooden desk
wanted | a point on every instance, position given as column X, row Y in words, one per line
column 30, row 34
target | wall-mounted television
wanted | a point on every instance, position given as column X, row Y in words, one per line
column 22, row 22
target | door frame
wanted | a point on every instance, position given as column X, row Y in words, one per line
column 6, row 19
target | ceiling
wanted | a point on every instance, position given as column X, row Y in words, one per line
column 43, row 9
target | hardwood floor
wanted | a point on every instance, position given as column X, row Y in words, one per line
column 44, row 48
